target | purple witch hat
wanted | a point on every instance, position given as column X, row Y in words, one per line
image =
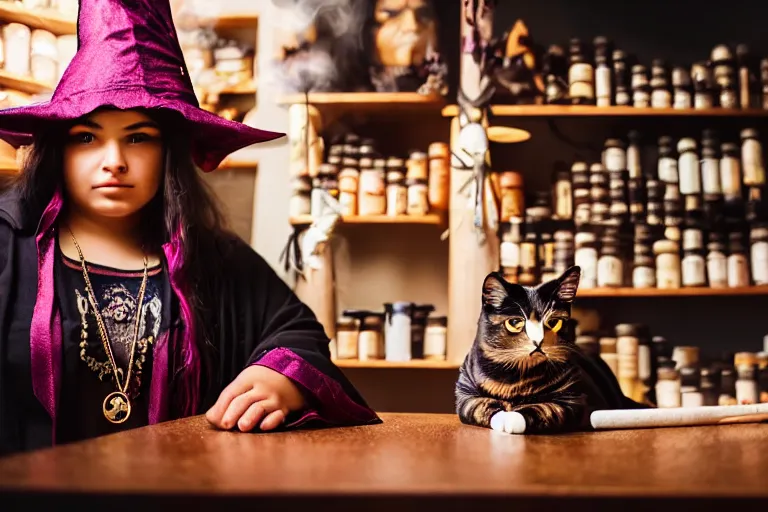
column 129, row 57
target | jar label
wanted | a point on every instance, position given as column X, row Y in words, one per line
column 730, row 177
column 610, row 271
column 702, row 100
column 682, row 99
column 643, row 277
column 717, row 270
column 661, row 98
column 510, row 254
column 397, row 200
column 581, row 80
column 738, row 271
column 710, row 175
column 746, row 392
column 641, row 99
column 759, row 257
column 693, row 271
column 752, row 158
column 690, row 175
column 668, row 170
column 563, row 200
column 668, row 271
column 615, row 159
column 603, row 85
column 668, row 393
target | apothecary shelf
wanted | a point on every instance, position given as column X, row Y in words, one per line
column 433, row 219
column 671, row 292
column 45, row 19
column 614, row 111
column 413, row 364
column 23, row 83
column 361, row 99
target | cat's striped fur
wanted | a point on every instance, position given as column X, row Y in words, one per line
column 543, row 376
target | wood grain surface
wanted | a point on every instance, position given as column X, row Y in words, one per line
column 408, row 462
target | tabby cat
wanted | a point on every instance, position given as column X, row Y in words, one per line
column 524, row 374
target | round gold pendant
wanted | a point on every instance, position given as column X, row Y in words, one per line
column 116, row 407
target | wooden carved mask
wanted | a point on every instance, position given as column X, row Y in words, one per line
column 406, row 30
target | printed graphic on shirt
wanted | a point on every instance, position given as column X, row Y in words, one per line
column 117, row 300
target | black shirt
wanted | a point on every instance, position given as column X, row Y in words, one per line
column 83, row 393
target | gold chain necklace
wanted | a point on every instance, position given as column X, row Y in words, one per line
column 116, row 406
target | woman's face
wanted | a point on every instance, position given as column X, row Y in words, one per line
column 113, row 163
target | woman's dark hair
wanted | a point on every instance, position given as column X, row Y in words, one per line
column 191, row 235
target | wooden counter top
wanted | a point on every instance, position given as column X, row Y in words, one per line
column 423, row 456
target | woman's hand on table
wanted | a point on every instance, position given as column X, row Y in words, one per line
column 258, row 397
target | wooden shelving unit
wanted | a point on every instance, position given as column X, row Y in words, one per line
column 24, row 83
column 677, row 292
column 614, row 111
column 334, row 104
column 423, row 364
column 45, row 19
column 432, row 219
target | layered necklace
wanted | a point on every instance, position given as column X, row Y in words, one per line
column 117, row 405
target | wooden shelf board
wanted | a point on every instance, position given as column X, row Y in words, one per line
column 616, row 111
column 46, row 19
column 413, row 364
column 389, row 100
column 249, row 88
column 8, row 168
column 226, row 21
column 432, row 218
column 678, row 292
column 23, row 83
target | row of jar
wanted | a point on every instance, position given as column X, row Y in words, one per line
column 651, row 369
column 368, row 187
column 402, row 332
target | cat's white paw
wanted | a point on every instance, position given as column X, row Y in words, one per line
column 509, row 422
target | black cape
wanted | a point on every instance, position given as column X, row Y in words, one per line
column 255, row 312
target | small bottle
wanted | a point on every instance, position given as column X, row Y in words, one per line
column 581, row 75
column 724, row 76
column 752, row 158
column 610, row 267
column 586, row 258
column 748, row 94
column 758, row 238
column 529, row 259
column 562, row 194
column 667, row 264
column 555, row 71
column 667, row 384
column 667, row 164
column 701, row 76
column 397, row 331
column 435, row 338
column 641, row 90
column 690, row 396
column 509, row 251
column 564, row 251
column 693, row 264
column 512, row 197
column 603, row 90
column 346, row 338
column 608, row 353
column 621, row 78
column 681, row 81
column 397, row 194
column 439, row 175
column 661, row 96
column 738, row 267
column 746, row 381
column 418, row 197
column 688, row 165
column 717, row 266
column 581, row 193
column 730, row 172
column 710, row 164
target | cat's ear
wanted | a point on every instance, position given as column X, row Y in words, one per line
column 494, row 291
column 568, row 284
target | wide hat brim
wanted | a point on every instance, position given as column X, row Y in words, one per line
column 212, row 138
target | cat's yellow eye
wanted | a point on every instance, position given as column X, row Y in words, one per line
column 514, row 324
column 554, row 324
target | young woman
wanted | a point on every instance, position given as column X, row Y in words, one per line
column 123, row 300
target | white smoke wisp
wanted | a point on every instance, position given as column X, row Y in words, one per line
column 328, row 61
